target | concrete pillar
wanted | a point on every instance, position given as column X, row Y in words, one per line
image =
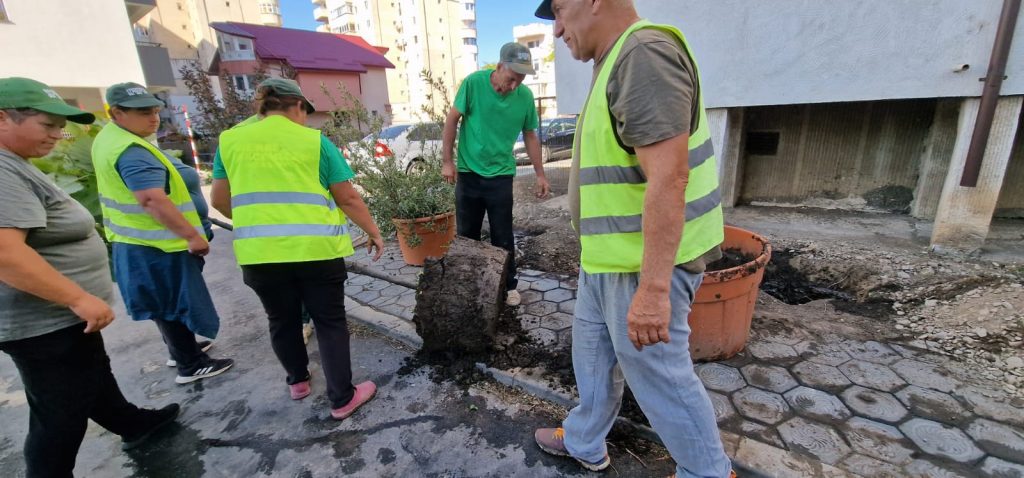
column 726, row 126
column 964, row 214
column 935, row 160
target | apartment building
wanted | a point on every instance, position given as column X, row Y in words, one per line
column 183, row 29
column 540, row 39
column 434, row 35
column 36, row 43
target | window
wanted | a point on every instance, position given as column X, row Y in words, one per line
column 470, row 6
column 469, row 41
column 533, row 44
column 536, row 65
column 244, row 83
column 243, row 46
column 426, row 132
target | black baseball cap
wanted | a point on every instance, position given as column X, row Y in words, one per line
column 544, row 11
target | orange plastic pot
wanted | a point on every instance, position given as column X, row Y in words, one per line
column 435, row 233
column 724, row 305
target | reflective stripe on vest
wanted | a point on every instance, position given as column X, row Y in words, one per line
column 613, row 185
column 280, row 210
column 124, row 219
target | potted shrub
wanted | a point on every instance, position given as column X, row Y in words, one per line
column 417, row 205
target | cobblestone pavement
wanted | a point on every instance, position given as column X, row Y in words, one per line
column 869, row 408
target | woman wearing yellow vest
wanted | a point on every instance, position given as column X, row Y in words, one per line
column 282, row 184
column 155, row 221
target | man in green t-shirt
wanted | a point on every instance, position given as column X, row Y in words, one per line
column 494, row 108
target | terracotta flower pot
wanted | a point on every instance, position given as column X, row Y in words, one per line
column 435, row 233
column 724, row 305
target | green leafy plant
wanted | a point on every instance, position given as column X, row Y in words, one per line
column 391, row 191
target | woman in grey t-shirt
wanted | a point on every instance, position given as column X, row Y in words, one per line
column 54, row 292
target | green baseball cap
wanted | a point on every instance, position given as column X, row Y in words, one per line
column 26, row 93
column 132, row 95
column 518, row 58
column 544, row 11
column 286, row 87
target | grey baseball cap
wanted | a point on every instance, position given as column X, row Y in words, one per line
column 518, row 58
column 131, row 95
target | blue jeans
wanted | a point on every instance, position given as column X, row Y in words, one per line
column 661, row 376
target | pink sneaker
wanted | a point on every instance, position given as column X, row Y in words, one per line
column 299, row 390
column 364, row 392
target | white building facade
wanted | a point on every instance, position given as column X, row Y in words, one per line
column 540, row 39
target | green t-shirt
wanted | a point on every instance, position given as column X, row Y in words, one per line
column 333, row 167
column 490, row 125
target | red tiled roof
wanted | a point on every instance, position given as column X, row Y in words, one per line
column 358, row 40
column 307, row 50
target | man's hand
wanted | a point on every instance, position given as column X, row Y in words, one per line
column 198, row 246
column 375, row 242
column 543, row 187
column 649, row 316
column 93, row 311
column 448, row 172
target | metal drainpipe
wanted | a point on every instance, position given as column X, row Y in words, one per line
column 990, row 94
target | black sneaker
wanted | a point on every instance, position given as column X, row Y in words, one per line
column 206, row 369
column 160, row 418
column 204, row 345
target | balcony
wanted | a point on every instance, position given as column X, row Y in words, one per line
column 156, row 65
column 320, row 14
column 344, row 10
column 139, row 8
column 237, row 55
column 467, row 14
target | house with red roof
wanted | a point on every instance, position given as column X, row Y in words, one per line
column 315, row 60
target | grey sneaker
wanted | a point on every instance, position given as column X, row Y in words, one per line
column 204, row 345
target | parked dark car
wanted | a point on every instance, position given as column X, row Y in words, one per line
column 556, row 137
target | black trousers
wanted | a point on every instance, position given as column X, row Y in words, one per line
column 181, row 344
column 476, row 195
column 68, row 381
column 319, row 286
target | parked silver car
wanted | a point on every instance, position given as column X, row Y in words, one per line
column 409, row 143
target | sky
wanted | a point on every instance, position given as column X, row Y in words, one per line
column 494, row 21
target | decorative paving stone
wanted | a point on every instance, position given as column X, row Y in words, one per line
column 407, row 300
column 529, row 322
column 925, row 375
column 530, row 297
column 762, row 433
column 867, row 466
column 355, row 279
column 565, row 338
column 765, row 407
column 821, row 376
column 872, row 375
column 997, row 439
column 541, row 308
column 558, row 295
column 394, row 290
column 529, row 273
column 556, row 321
column 874, row 404
column 544, row 285
column 878, row 440
column 996, row 468
column 773, row 352
column 543, row 336
column 738, row 360
column 818, row 405
column 769, row 377
column 824, row 353
column 366, row 296
column 872, row 351
column 927, row 469
column 377, row 285
column 941, row 440
column 933, row 404
column 383, row 300
column 568, row 307
column 720, row 377
column 997, row 408
column 723, row 407
column 820, row 441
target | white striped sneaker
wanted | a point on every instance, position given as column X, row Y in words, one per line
column 204, row 345
column 207, row 369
